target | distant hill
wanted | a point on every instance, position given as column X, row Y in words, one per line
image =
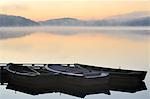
column 62, row 21
column 129, row 19
column 10, row 20
column 143, row 21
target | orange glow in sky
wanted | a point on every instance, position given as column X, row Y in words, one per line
column 82, row 9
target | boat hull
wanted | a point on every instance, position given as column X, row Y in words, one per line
column 120, row 75
column 84, row 82
column 35, row 82
column 45, row 81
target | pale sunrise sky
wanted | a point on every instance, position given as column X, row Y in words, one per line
column 83, row 9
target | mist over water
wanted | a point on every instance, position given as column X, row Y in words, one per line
column 125, row 47
column 125, row 32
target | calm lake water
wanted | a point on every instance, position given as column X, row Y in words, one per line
column 125, row 47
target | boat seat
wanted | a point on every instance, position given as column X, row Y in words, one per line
column 92, row 73
column 95, row 75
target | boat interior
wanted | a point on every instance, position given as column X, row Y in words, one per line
column 76, row 70
column 67, row 69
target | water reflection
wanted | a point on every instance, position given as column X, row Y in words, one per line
column 78, row 91
column 124, row 48
column 91, row 48
column 9, row 34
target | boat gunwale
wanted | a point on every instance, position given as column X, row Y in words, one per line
column 101, row 75
column 34, row 72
